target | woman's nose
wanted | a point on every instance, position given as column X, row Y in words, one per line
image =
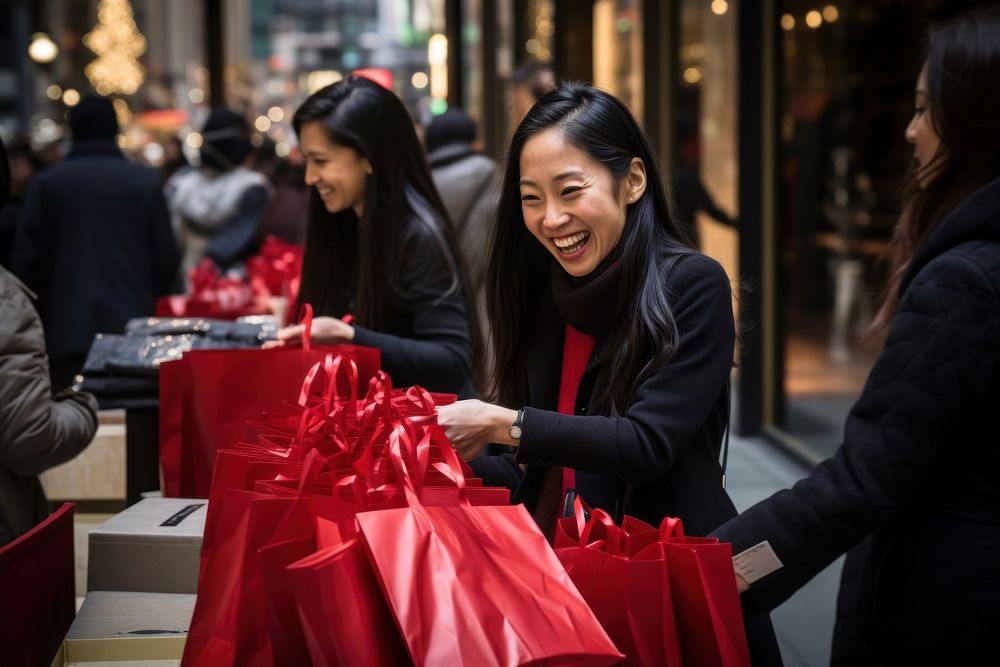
column 555, row 216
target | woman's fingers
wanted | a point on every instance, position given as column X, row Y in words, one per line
column 292, row 333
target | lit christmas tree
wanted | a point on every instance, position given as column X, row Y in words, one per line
column 118, row 44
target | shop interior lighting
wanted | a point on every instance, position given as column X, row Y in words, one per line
column 275, row 114
column 814, row 19
column 42, row 49
column 831, row 13
column 692, row 75
column 263, row 123
column 53, row 92
column 787, row 22
column 437, row 58
column 71, row 97
column 419, row 80
column 720, row 7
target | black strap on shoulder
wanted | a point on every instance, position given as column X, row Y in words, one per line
column 725, row 439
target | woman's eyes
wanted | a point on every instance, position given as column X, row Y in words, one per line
column 566, row 192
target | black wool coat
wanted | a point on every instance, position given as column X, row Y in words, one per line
column 913, row 493
column 661, row 458
column 95, row 243
column 427, row 340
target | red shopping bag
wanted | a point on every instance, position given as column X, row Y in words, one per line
column 220, row 392
column 624, row 581
column 481, row 586
column 244, row 551
column 705, row 598
column 344, row 616
column 226, row 626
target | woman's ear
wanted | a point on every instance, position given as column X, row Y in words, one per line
column 635, row 181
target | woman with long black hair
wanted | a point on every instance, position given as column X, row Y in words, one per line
column 913, row 492
column 379, row 245
column 613, row 338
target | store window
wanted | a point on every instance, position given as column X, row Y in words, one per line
column 618, row 51
column 847, row 74
column 704, row 171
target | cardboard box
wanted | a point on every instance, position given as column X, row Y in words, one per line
column 115, row 626
column 154, row 545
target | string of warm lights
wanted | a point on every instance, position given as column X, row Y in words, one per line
column 118, row 44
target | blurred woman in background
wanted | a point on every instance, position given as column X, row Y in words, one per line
column 379, row 245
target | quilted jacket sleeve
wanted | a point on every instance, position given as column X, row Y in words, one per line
column 36, row 432
column 939, row 362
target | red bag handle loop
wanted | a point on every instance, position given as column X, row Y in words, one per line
column 599, row 517
column 671, row 529
column 306, row 320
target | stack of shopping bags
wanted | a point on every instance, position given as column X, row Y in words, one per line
column 210, row 399
column 663, row 598
column 267, row 283
column 352, row 534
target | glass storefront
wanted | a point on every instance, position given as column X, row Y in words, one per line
column 846, row 80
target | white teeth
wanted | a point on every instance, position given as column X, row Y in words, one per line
column 569, row 241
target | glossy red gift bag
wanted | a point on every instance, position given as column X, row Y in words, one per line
column 706, row 601
column 344, row 616
column 621, row 574
column 208, row 397
column 477, row 585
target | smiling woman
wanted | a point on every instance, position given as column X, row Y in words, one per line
column 379, row 245
column 613, row 338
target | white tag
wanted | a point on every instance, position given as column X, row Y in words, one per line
column 756, row 562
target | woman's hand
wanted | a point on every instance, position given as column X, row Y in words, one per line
column 472, row 424
column 325, row 331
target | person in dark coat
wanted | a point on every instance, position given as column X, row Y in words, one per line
column 913, row 493
column 94, row 241
column 24, row 164
column 37, row 430
column 467, row 182
column 379, row 245
column 613, row 339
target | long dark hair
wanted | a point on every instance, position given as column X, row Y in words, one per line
column 963, row 98
column 604, row 128
column 354, row 264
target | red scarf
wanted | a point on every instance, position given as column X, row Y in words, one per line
column 577, row 348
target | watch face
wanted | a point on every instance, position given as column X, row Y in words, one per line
column 515, row 432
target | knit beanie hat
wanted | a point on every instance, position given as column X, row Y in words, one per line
column 454, row 126
column 226, row 137
column 93, row 118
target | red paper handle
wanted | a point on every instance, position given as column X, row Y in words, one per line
column 671, row 528
column 306, row 320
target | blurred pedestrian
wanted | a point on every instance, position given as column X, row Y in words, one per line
column 174, row 159
column 217, row 207
column 24, row 164
column 467, row 181
column 691, row 197
column 37, row 430
column 379, row 244
column 531, row 79
column 913, row 493
column 288, row 211
column 94, row 240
